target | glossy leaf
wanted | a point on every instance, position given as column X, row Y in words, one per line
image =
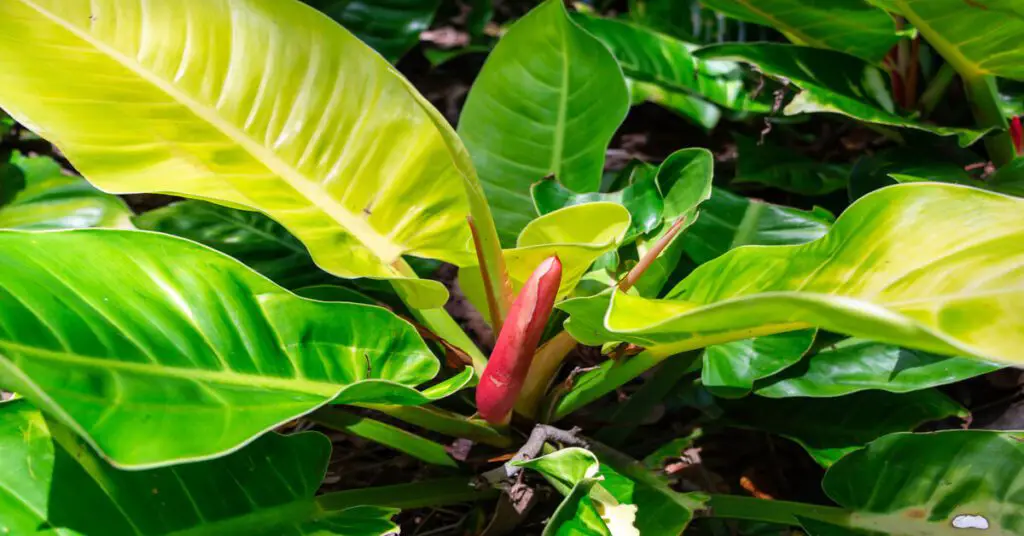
column 550, row 112
column 832, row 82
column 728, row 221
column 641, row 198
column 651, row 57
column 578, row 234
column 258, row 241
column 51, row 199
column 785, row 169
column 944, row 484
column 696, row 110
column 853, row 365
column 54, row 484
column 833, row 427
column 198, row 358
column 391, row 27
column 951, row 26
column 690, row 20
column 226, row 112
column 915, row 265
column 850, row 26
column 731, row 369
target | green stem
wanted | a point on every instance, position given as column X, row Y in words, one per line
column 440, row 492
column 782, row 512
column 390, row 436
column 984, row 97
column 937, row 88
column 445, row 422
column 443, row 325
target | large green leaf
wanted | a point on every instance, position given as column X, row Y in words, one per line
column 52, row 483
column 578, row 234
column 850, row 26
column 930, row 266
column 833, row 427
column 728, row 221
column 731, row 369
column 656, row 58
column 697, row 110
column 52, row 199
column 692, row 21
column 785, row 169
column 853, row 365
column 258, row 241
column 391, row 27
column 832, row 82
column 913, row 265
column 265, row 104
column 952, row 27
column 159, row 350
column 942, row 484
column 549, row 112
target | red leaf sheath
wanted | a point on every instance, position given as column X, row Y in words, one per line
column 506, row 370
column 1017, row 134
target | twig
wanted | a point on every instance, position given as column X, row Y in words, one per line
column 492, row 298
column 541, row 434
column 910, row 87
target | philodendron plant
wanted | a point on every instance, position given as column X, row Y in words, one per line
column 159, row 362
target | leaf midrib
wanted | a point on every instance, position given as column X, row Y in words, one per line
column 299, row 384
column 948, row 50
column 377, row 243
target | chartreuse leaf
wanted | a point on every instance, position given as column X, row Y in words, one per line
column 54, row 484
column 550, row 112
column 951, row 26
column 51, row 199
column 944, row 484
column 830, row 428
column 265, row 104
column 159, row 350
column 258, row 241
column 641, row 198
column 912, row 265
column 850, row 26
column 785, row 169
column 731, row 369
column 853, row 365
column 578, row 234
column 659, row 59
column 391, row 27
column 728, row 221
column 832, row 82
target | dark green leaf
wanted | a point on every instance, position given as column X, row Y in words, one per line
column 51, row 199
column 853, row 365
column 690, row 20
column 391, row 27
column 385, row 434
column 667, row 62
column 944, row 484
column 876, row 171
column 728, row 221
column 552, row 111
column 850, row 26
column 731, row 369
column 159, row 350
column 54, row 484
column 832, row 82
column 698, row 111
column 785, row 169
column 832, row 427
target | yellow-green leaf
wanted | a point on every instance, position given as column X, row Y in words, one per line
column 264, row 104
column 578, row 234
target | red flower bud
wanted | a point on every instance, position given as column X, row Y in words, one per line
column 506, row 371
column 1017, row 134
